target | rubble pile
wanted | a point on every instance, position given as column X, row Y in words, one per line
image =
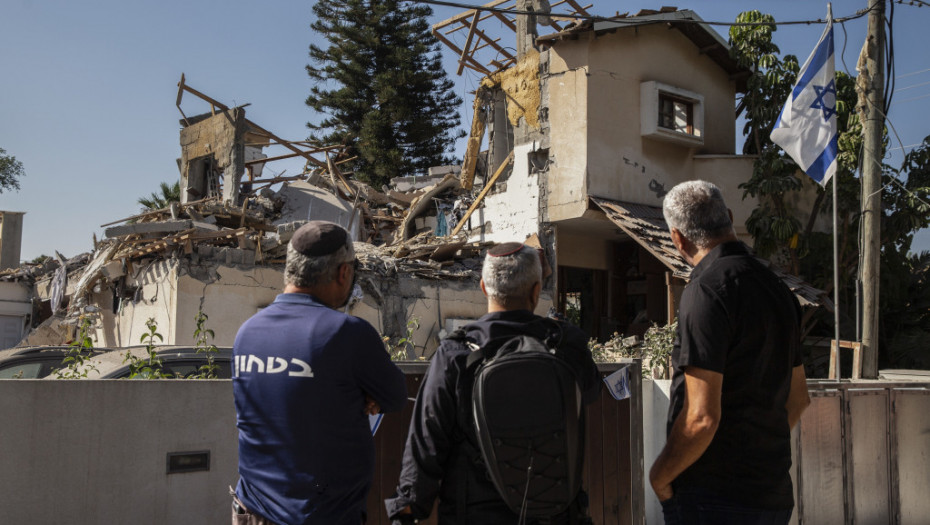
column 228, row 215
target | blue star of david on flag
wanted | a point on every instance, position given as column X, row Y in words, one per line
column 806, row 127
column 825, row 103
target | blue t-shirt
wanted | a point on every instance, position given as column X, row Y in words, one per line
column 301, row 373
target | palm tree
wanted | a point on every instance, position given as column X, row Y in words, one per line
column 168, row 195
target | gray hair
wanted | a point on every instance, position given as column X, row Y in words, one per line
column 696, row 208
column 305, row 271
column 513, row 276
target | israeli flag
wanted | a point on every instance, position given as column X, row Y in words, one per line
column 806, row 128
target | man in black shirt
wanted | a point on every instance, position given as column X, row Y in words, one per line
column 738, row 385
column 442, row 458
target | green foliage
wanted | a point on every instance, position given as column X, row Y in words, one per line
column 78, row 354
column 166, row 195
column 779, row 230
column 11, row 170
column 655, row 350
column 201, row 333
column 146, row 367
column 381, row 88
column 400, row 347
column 40, row 259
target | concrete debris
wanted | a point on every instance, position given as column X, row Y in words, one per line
column 400, row 232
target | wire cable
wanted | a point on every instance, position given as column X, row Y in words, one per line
column 635, row 20
column 914, row 73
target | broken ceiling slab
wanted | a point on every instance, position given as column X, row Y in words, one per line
column 646, row 225
column 148, row 227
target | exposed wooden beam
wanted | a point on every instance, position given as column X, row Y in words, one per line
column 477, row 66
column 471, row 34
column 464, row 16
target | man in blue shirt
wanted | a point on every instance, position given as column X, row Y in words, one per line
column 306, row 377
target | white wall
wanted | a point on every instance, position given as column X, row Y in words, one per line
column 513, row 214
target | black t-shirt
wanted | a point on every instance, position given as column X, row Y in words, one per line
column 739, row 319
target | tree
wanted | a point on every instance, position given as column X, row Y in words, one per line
column 11, row 170
column 157, row 201
column 778, row 230
column 382, row 88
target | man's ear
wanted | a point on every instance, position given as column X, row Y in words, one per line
column 730, row 213
column 342, row 275
column 678, row 239
column 534, row 294
column 483, row 289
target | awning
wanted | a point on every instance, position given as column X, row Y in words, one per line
column 646, row 225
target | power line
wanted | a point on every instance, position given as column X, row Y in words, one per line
column 913, row 73
column 914, row 98
column 914, row 3
column 635, row 20
column 914, row 86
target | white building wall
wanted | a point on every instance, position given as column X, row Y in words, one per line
column 513, row 214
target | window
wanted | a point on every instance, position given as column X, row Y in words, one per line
column 671, row 114
column 676, row 114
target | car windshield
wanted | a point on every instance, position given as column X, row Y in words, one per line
column 21, row 371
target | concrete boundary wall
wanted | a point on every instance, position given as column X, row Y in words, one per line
column 95, row 451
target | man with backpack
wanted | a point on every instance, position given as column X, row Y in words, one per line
column 497, row 431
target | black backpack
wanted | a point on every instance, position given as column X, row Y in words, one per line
column 529, row 421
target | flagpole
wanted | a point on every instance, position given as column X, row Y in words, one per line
column 836, row 279
column 836, row 253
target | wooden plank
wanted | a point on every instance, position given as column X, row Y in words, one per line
column 473, row 146
column 477, row 66
column 506, row 21
column 465, row 15
column 821, row 458
column 612, row 501
column 634, row 430
column 624, row 490
column 285, row 143
column 594, row 457
column 471, row 35
column 484, row 192
column 912, row 460
column 464, row 24
column 869, row 470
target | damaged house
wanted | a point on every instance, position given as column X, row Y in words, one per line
column 575, row 139
column 222, row 248
column 587, row 129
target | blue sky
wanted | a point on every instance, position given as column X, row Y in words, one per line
column 88, row 90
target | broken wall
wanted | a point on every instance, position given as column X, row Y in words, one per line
column 209, row 146
column 11, row 238
column 172, row 291
column 512, row 213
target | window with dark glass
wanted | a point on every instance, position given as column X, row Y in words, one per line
column 676, row 114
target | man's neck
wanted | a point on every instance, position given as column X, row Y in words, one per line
column 702, row 252
column 314, row 292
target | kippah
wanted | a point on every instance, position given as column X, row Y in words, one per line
column 318, row 238
column 505, row 249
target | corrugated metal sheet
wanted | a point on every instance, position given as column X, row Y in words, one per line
column 646, row 225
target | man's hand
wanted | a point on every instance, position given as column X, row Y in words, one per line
column 692, row 431
column 663, row 491
column 371, row 406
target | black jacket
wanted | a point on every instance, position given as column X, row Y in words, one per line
column 441, row 457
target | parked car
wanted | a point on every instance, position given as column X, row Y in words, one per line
column 36, row 362
column 176, row 361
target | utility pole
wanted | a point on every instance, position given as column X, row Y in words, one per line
column 871, row 113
